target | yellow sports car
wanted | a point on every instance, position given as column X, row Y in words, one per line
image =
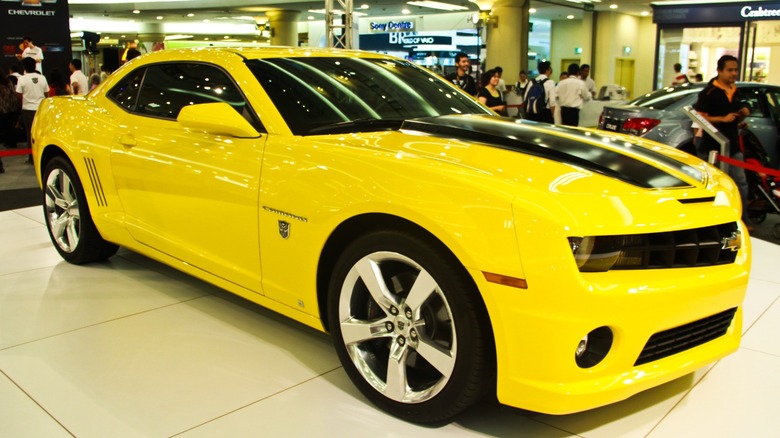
column 450, row 253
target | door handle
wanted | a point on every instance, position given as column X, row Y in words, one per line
column 127, row 140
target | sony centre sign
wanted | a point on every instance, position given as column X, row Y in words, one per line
column 393, row 26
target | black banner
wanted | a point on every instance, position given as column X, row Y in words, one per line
column 47, row 22
column 715, row 13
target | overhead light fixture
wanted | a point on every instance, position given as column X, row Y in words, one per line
column 364, row 6
column 570, row 17
column 159, row 17
column 406, row 11
column 336, row 12
column 532, row 11
column 437, row 5
column 207, row 21
column 136, row 11
column 311, row 17
column 190, row 14
column 613, row 6
column 645, row 13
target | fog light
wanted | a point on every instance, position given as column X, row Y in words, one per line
column 593, row 348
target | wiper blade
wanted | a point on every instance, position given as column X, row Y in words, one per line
column 358, row 125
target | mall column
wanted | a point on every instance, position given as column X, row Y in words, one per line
column 284, row 27
column 152, row 36
column 507, row 38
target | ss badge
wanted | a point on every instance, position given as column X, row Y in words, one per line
column 284, row 229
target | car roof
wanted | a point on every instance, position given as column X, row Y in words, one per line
column 260, row 52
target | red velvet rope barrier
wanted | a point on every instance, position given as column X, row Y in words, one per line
column 749, row 166
column 12, row 152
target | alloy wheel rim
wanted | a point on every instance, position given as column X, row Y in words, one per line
column 62, row 210
column 398, row 327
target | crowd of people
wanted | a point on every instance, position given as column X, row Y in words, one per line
column 540, row 98
column 24, row 86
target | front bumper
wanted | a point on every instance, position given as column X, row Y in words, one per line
column 538, row 329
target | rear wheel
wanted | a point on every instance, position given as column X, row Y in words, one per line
column 407, row 327
column 67, row 216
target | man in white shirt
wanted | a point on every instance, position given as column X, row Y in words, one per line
column 31, row 89
column 501, row 84
column 572, row 93
column 78, row 80
column 32, row 51
column 590, row 84
column 546, row 115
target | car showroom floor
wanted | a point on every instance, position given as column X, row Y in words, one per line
column 133, row 348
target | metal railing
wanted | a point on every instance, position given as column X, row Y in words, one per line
column 709, row 128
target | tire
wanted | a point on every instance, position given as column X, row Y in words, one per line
column 388, row 335
column 67, row 216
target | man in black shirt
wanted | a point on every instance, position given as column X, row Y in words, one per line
column 462, row 77
column 722, row 105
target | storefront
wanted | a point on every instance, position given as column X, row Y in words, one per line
column 697, row 34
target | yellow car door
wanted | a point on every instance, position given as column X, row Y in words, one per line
column 190, row 194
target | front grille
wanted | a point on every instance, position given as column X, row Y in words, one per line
column 697, row 247
column 673, row 341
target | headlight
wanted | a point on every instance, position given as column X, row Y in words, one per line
column 707, row 246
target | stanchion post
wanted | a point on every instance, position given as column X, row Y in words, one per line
column 725, row 146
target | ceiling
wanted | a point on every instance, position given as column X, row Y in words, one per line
column 236, row 20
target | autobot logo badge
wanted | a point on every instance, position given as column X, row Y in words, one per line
column 732, row 243
column 284, row 229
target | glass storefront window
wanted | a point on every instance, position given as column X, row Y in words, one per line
column 696, row 48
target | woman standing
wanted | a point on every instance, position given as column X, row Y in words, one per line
column 57, row 84
column 489, row 94
column 9, row 113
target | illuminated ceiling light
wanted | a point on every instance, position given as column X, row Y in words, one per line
column 207, row 21
column 532, row 11
column 645, row 13
column 364, row 6
column 406, row 11
column 123, row 36
column 613, row 6
column 190, row 14
column 105, row 37
column 159, row 17
column 206, row 39
column 136, row 11
column 226, row 37
column 437, row 5
column 311, row 17
column 570, row 17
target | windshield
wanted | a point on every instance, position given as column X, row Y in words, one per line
column 313, row 93
column 660, row 99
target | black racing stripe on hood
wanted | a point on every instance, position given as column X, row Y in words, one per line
column 524, row 137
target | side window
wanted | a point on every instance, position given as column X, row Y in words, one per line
column 167, row 88
column 773, row 100
column 753, row 100
column 125, row 93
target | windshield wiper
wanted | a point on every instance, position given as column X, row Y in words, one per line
column 358, row 125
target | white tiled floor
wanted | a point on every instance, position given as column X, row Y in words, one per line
column 133, row 348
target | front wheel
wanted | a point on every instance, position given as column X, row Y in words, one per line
column 67, row 216
column 408, row 328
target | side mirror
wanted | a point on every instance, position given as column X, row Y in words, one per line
column 216, row 118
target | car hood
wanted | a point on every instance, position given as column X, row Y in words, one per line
column 639, row 163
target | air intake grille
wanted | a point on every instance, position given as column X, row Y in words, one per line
column 673, row 341
column 705, row 246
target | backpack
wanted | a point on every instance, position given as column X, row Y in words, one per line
column 536, row 97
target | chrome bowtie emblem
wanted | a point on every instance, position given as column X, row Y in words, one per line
column 284, row 229
column 733, row 242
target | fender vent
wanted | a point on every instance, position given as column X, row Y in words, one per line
column 666, row 343
column 97, row 186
